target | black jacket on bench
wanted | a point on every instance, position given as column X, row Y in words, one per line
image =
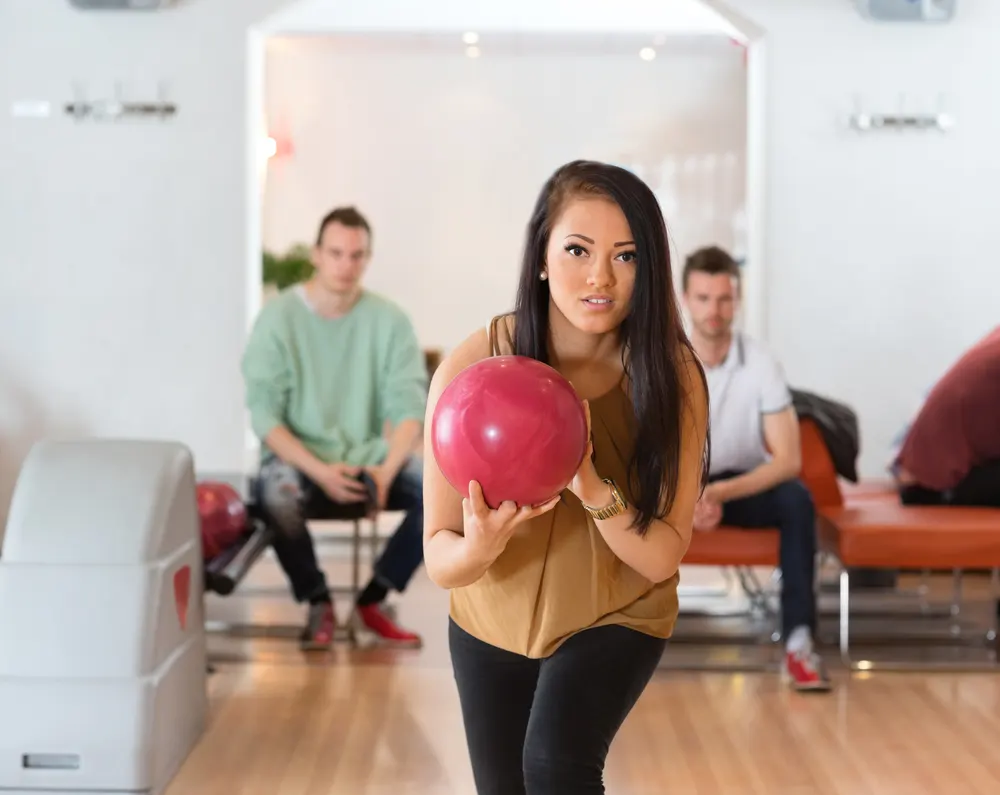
column 838, row 424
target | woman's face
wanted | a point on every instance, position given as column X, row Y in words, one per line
column 590, row 264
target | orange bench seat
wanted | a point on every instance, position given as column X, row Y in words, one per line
column 737, row 546
column 733, row 546
column 864, row 526
column 885, row 534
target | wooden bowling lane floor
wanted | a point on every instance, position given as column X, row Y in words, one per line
column 378, row 722
column 349, row 726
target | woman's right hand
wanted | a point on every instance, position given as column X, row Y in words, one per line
column 487, row 531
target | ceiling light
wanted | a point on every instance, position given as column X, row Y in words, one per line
column 470, row 37
column 472, row 52
column 647, row 53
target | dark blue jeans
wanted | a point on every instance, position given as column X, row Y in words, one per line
column 788, row 507
column 289, row 499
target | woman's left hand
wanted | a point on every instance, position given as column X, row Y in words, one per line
column 586, row 483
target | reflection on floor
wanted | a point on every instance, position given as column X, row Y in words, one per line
column 370, row 721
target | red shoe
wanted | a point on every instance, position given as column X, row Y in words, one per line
column 320, row 628
column 803, row 670
column 374, row 620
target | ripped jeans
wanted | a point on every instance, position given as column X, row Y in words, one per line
column 289, row 499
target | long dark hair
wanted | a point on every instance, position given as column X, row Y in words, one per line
column 653, row 339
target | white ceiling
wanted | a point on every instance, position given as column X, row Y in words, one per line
column 502, row 44
column 665, row 17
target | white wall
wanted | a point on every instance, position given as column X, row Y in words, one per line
column 448, row 163
column 122, row 265
column 881, row 262
column 122, row 253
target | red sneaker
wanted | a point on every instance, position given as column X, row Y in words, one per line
column 803, row 670
column 320, row 628
column 374, row 620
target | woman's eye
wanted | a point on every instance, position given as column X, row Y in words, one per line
column 627, row 256
column 576, row 251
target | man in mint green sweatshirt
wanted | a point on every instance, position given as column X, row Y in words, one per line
column 327, row 366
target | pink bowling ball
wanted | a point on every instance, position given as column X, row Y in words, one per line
column 514, row 425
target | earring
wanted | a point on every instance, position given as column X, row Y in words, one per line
column 544, row 276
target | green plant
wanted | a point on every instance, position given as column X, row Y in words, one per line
column 290, row 268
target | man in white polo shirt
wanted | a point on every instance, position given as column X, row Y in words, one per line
column 756, row 456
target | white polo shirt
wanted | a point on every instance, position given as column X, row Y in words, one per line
column 747, row 385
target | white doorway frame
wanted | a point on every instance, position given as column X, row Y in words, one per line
column 755, row 270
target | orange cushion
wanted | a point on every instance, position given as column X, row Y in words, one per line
column 733, row 546
column 885, row 534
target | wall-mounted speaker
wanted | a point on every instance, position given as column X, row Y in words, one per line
column 907, row 10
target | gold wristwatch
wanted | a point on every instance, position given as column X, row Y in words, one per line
column 618, row 506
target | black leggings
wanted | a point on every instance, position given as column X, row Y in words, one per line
column 544, row 727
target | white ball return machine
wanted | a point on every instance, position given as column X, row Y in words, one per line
column 103, row 663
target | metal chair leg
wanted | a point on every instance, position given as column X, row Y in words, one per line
column 352, row 634
column 373, row 538
column 956, row 601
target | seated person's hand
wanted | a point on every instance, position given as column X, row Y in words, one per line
column 707, row 514
column 341, row 483
column 903, row 477
column 382, row 482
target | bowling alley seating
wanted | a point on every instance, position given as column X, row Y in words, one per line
column 883, row 534
column 863, row 527
column 736, row 546
column 866, row 527
column 743, row 549
column 225, row 571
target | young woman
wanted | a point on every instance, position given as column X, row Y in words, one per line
column 560, row 612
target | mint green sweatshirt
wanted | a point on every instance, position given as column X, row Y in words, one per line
column 334, row 382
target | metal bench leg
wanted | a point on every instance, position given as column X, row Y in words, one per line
column 898, row 665
column 956, row 601
column 991, row 634
column 845, row 616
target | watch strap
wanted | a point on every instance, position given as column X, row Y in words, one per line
column 617, row 506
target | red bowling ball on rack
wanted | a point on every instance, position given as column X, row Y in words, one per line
column 223, row 517
column 514, row 425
